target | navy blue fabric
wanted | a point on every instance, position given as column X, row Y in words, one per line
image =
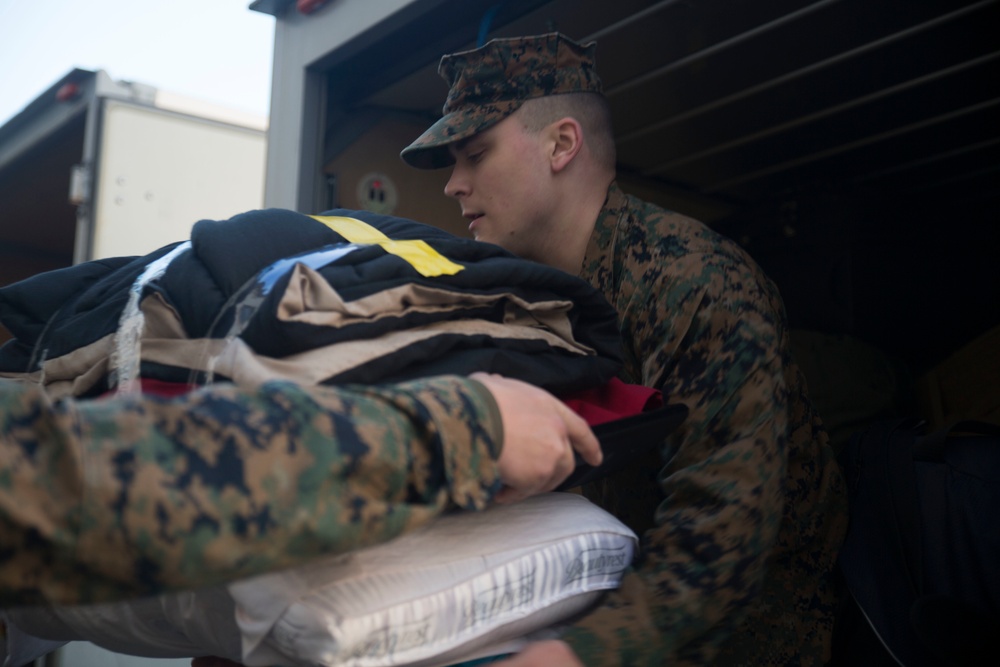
column 65, row 309
column 60, row 313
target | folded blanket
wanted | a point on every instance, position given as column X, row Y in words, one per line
column 345, row 297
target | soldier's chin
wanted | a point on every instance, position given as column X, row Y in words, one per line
column 480, row 234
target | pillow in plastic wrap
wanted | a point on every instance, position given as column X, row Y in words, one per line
column 466, row 585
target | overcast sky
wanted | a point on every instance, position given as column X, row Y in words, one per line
column 214, row 50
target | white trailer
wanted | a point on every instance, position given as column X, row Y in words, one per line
column 95, row 168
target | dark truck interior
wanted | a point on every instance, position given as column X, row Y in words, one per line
column 852, row 146
column 39, row 222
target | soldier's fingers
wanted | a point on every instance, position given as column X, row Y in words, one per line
column 548, row 653
column 581, row 438
column 509, row 494
column 564, row 466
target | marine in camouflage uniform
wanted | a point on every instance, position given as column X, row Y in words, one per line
column 129, row 496
column 746, row 514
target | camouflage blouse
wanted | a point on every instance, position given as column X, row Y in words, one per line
column 745, row 509
column 121, row 497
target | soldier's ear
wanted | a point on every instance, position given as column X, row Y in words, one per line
column 566, row 137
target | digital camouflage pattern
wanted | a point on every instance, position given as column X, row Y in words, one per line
column 749, row 506
column 128, row 496
column 744, row 510
column 489, row 83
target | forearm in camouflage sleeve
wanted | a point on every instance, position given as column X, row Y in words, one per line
column 704, row 560
column 123, row 497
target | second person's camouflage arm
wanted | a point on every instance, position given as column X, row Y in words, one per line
column 710, row 343
column 123, row 497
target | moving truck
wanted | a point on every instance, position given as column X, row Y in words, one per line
column 95, row 167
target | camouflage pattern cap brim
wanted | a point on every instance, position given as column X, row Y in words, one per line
column 489, row 83
column 430, row 150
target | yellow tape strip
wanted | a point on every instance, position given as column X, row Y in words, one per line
column 426, row 260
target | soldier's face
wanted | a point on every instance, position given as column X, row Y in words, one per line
column 503, row 181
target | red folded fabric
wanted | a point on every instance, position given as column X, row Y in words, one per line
column 612, row 401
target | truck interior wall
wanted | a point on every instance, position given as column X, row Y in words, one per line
column 915, row 276
column 420, row 193
column 38, row 221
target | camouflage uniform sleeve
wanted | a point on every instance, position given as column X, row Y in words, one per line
column 706, row 334
column 120, row 497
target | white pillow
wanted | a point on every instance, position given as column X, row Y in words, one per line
column 466, row 585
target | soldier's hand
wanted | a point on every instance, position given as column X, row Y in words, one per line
column 548, row 653
column 540, row 435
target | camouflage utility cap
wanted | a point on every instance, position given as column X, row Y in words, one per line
column 490, row 83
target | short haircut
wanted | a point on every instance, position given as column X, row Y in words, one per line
column 591, row 110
